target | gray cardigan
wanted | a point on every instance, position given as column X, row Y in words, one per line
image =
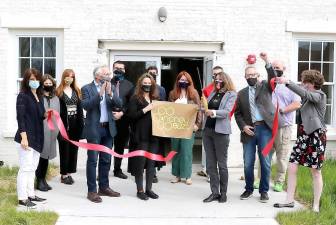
column 313, row 107
column 223, row 122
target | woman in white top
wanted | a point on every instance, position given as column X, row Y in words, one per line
column 185, row 93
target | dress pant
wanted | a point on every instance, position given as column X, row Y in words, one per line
column 103, row 159
column 262, row 136
column 28, row 161
column 120, row 142
column 216, row 148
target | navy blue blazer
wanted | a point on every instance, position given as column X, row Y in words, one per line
column 30, row 116
column 91, row 103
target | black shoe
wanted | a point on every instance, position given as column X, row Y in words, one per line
column 142, row 195
column 1, row 163
column 37, row 199
column 246, row 195
column 284, row 205
column 120, row 174
column 152, row 195
column 71, row 179
column 211, row 198
column 47, row 185
column 27, row 203
column 264, row 197
column 40, row 185
column 222, row 198
column 66, row 180
column 155, row 179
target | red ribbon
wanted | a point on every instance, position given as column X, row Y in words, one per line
column 275, row 127
column 102, row 148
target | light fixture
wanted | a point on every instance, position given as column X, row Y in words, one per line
column 162, row 14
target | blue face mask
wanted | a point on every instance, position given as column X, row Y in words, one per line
column 34, row 84
column 118, row 75
column 183, row 84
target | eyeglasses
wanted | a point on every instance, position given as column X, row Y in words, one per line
column 215, row 74
column 251, row 75
column 218, row 81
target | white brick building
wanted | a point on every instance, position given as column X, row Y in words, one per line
column 55, row 35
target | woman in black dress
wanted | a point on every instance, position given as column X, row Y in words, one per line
column 141, row 137
column 310, row 145
column 71, row 113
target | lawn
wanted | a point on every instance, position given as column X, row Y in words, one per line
column 304, row 194
column 8, row 203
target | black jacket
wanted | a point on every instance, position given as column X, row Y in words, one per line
column 30, row 116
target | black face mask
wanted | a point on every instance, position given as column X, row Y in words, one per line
column 48, row 88
column 183, row 84
column 118, row 75
column 252, row 81
column 146, row 87
column 279, row 73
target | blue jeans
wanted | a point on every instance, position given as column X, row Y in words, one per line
column 262, row 136
column 104, row 163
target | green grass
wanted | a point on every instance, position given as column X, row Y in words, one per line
column 304, row 194
column 8, row 203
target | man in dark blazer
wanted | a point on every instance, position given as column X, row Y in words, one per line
column 99, row 100
column 254, row 115
column 124, row 89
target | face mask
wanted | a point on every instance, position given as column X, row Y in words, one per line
column 279, row 73
column 146, row 87
column 34, row 84
column 48, row 88
column 183, row 84
column 220, row 82
column 68, row 80
column 252, row 81
column 119, row 75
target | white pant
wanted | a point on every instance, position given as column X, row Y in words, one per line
column 28, row 162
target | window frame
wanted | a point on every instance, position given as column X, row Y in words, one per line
column 295, row 61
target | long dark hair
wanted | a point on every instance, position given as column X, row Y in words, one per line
column 25, row 81
column 153, row 94
column 49, row 77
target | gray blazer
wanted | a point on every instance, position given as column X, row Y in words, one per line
column 263, row 100
column 91, row 103
column 313, row 107
column 50, row 136
column 223, row 122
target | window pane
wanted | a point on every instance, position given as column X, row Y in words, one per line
column 24, row 46
column 328, row 90
column 37, row 64
column 37, row 47
column 49, row 47
column 23, row 65
column 49, row 66
column 327, row 117
column 302, row 67
column 316, row 51
column 315, row 66
column 328, row 51
column 328, row 72
column 303, row 51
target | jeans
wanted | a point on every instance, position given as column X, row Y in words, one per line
column 104, row 163
column 262, row 136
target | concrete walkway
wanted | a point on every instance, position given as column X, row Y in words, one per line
column 178, row 203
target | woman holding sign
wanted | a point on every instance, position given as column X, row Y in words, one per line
column 184, row 93
column 141, row 137
column 216, row 135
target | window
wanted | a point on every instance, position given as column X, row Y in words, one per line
column 39, row 53
column 320, row 55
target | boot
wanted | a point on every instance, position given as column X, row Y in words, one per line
column 47, row 185
column 40, row 185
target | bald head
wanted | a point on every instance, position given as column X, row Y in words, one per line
column 278, row 65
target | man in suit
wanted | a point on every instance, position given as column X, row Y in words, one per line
column 124, row 90
column 164, row 142
column 254, row 115
column 99, row 100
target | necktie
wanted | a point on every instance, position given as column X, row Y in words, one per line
column 252, row 104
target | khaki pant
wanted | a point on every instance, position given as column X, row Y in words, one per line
column 282, row 148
